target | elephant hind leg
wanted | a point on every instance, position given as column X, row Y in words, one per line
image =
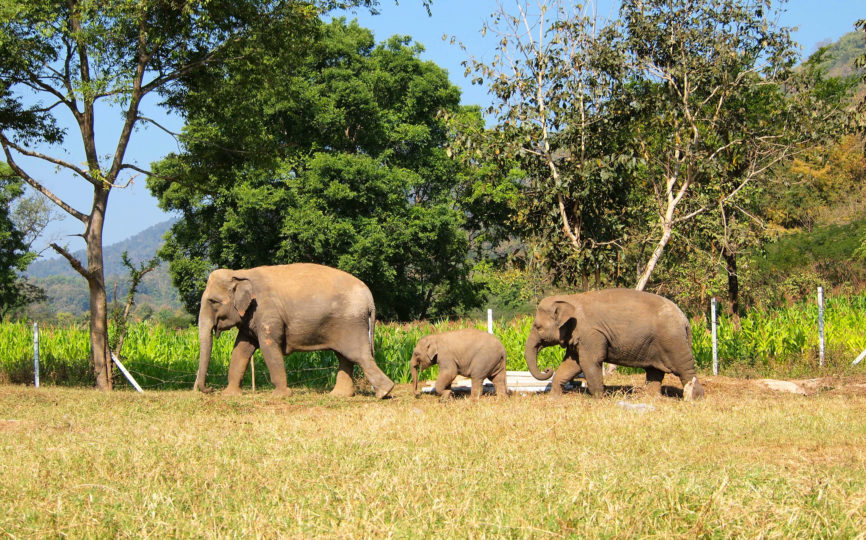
column 692, row 388
column 654, row 378
column 477, row 387
column 345, row 386
column 362, row 355
column 500, row 383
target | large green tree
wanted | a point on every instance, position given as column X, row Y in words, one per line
column 335, row 155
column 82, row 58
column 15, row 253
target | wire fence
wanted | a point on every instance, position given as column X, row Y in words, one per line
column 773, row 342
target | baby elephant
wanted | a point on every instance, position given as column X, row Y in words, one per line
column 471, row 353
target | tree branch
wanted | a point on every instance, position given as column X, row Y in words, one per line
column 59, row 162
column 80, row 216
column 75, row 263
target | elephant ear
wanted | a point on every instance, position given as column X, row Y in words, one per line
column 565, row 316
column 431, row 350
column 243, row 295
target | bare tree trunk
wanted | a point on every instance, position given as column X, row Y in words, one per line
column 98, row 298
column 667, row 230
column 667, row 223
column 733, row 280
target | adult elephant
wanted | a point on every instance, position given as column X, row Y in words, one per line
column 618, row 326
column 287, row 308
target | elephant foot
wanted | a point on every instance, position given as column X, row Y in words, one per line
column 653, row 388
column 693, row 390
column 343, row 391
column 556, row 391
column 384, row 389
column 230, row 392
column 282, row 392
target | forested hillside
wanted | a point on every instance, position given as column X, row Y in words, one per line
column 67, row 291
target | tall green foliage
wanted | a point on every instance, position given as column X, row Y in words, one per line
column 15, row 255
column 335, row 155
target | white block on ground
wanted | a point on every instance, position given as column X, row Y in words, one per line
column 517, row 381
column 783, row 386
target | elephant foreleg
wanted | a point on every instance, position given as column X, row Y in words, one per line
column 444, row 380
column 241, row 354
column 593, row 353
column 273, row 355
column 566, row 371
column 345, row 386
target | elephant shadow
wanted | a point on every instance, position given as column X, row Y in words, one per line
column 622, row 389
column 575, row 387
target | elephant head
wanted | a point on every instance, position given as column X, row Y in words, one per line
column 554, row 324
column 224, row 304
column 423, row 357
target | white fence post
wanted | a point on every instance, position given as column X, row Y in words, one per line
column 489, row 321
column 126, row 373
column 36, row 354
column 821, row 326
column 715, row 338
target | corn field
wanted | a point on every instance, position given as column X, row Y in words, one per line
column 777, row 342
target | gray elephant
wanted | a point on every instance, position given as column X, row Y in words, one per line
column 293, row 307
column 619, row 326
column 472, row 353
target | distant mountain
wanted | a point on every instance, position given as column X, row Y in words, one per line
column 140, row 247
column 67, row 291
column 840, row 56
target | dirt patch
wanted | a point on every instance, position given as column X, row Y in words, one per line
column 11, row 425
column 733, row 387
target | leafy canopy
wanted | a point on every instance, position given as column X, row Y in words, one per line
column 335, row 155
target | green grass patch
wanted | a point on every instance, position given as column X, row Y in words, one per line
column 82, row 463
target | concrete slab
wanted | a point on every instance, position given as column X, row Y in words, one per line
column 518, row 381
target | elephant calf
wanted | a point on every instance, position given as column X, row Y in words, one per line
column 472, row 353
column 619, row 326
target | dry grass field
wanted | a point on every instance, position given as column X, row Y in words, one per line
column 745, row 462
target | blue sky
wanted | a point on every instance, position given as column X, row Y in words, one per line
column 133, row 209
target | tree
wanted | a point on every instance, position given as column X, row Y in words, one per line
column 692, row 66
column 15, row 255
column 555, row 140
column 859, row 116
column 71, row 57
column 336, row 157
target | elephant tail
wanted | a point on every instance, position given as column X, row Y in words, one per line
column 688, row 332
column 371, row 329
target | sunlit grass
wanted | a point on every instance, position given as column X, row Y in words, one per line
column 742, row 463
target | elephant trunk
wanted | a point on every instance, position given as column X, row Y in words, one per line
column 205, row 342
column 414, row 367
column 533, row 345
